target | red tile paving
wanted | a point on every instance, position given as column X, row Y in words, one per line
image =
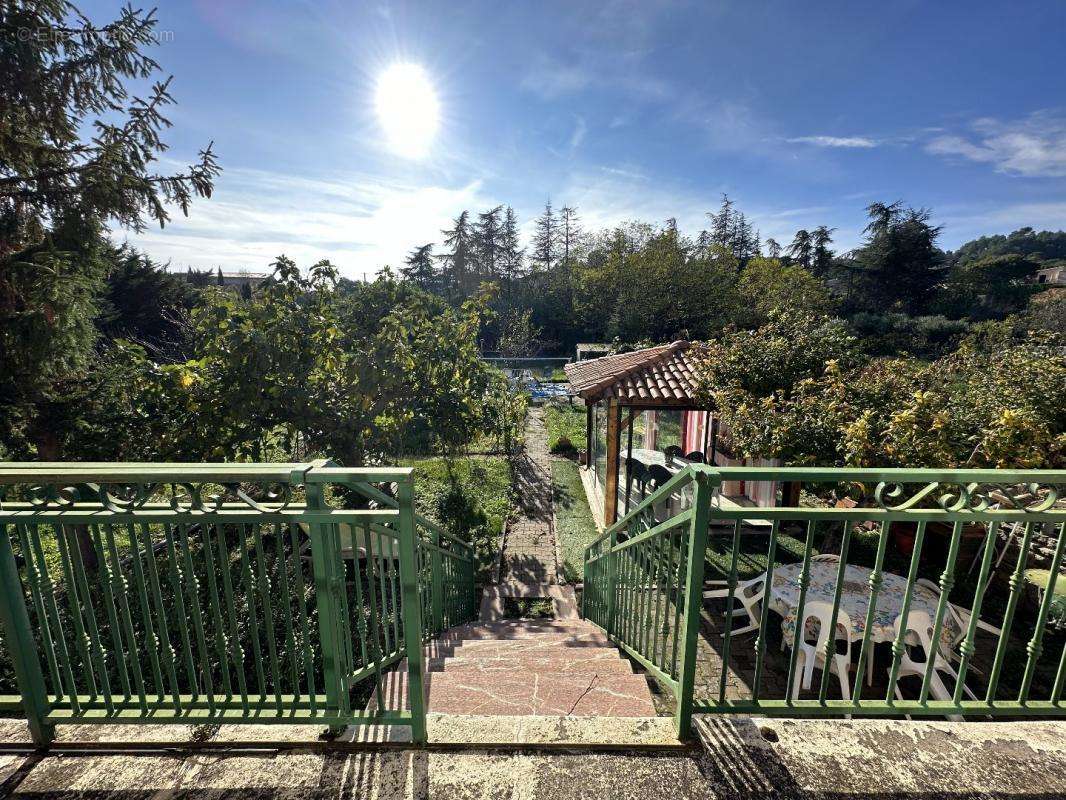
column 528, row 668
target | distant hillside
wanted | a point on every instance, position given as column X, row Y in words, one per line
column 1039, row 245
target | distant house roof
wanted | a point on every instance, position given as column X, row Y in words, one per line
column 655, row 376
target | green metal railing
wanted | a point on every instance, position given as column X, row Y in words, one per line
column 644, row 583
column 224, row 593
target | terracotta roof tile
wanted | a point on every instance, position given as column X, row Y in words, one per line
column 660, row 375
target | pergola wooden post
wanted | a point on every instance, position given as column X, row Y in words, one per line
column 614, row 429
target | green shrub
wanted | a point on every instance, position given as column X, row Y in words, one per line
column 469, row 496
column 565, row 426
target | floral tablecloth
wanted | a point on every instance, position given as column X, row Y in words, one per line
column 854, row 599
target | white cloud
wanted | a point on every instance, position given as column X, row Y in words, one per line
column 834, row 141
column 359, row 222
column 578, row 136
column 1031, row 147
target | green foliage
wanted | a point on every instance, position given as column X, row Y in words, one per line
column 60, row 185
column 144, row 303
column 565, row 427
column 798, row 390
column 768, row 285
column 518, row 335
column 991, row 287
column 574, row 527
column 358, row 375
column 895, row 333
column 789, row 348
column 995, row 402
column 899, row 266
column 641, row 283
column 1041, row 246
column 68, row 79
column 469, row 496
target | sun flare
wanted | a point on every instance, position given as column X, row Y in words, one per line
column 408, row 109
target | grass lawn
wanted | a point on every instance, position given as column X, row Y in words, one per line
column 469, row 496
column 574, row 526
column 564, row 422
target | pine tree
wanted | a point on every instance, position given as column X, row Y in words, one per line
column 219, row 280
column 801, row 248
column 773, row 249
column 418, row 268
column 511, row 254
column 900, row 261
column 569, row 234
column 459, row 260
column 722, row 224
column 488, row 243
column 821, row 255
column 78, row 156
column 545, row 239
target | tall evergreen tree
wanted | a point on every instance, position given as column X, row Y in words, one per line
column 459, row 260
column 802, row 248
column 723, row 224
column 900, row 261
column 488, row 243
column 219, row 280
column 821, row 256
column 545, row 239
column 418, row 268
column 511, row 254
column 78, row 154
column 773, row 249
column 569, row 234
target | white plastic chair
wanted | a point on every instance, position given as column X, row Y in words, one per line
column 920, row 624
column 813, row 655
column 961, row 615
column 749, row 594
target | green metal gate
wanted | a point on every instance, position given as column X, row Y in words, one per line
column 235, row 593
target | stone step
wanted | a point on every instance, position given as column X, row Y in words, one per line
column 581, row 694
column 548, row 634
column 517, row 629
column 610, row 663
column 547, row 648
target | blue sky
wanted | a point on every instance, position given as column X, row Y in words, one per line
column 802, row 112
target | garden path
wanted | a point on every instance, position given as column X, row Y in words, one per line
column 529, row 551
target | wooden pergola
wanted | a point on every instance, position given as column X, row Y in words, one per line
column 655, row 378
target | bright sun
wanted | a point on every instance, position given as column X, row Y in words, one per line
column 408, row 109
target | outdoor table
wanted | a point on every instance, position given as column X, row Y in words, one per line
column 855, row 600
column 648, row 457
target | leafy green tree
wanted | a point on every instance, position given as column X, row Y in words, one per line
column 361, row 374
column 511, row 254
column 992, row 287
column 518, row 335
column 640, row 283
column 768, row 286
column 59, row 186
column 1038, row 245
column 821, row 254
